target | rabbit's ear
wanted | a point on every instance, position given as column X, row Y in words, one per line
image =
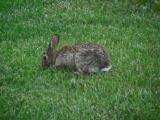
column 54, row 41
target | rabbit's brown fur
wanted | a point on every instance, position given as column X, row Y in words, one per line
column 85, row 58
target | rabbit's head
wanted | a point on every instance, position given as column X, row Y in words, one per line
column 49, row 55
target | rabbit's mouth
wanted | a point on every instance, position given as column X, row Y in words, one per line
column 45, row 64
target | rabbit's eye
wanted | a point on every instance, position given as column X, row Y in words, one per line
column 45, row 57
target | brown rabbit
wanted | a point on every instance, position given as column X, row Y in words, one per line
column 85, row 58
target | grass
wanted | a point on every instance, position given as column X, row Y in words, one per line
column 131, row 90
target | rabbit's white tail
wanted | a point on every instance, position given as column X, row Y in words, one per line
column 106, row 69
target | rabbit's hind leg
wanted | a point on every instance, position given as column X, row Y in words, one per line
column 93, row 69
column 86, row 69
column 82, row 70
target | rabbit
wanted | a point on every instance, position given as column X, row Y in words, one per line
column 84, row 58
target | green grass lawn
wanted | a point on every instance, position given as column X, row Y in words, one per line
column 130, row 91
